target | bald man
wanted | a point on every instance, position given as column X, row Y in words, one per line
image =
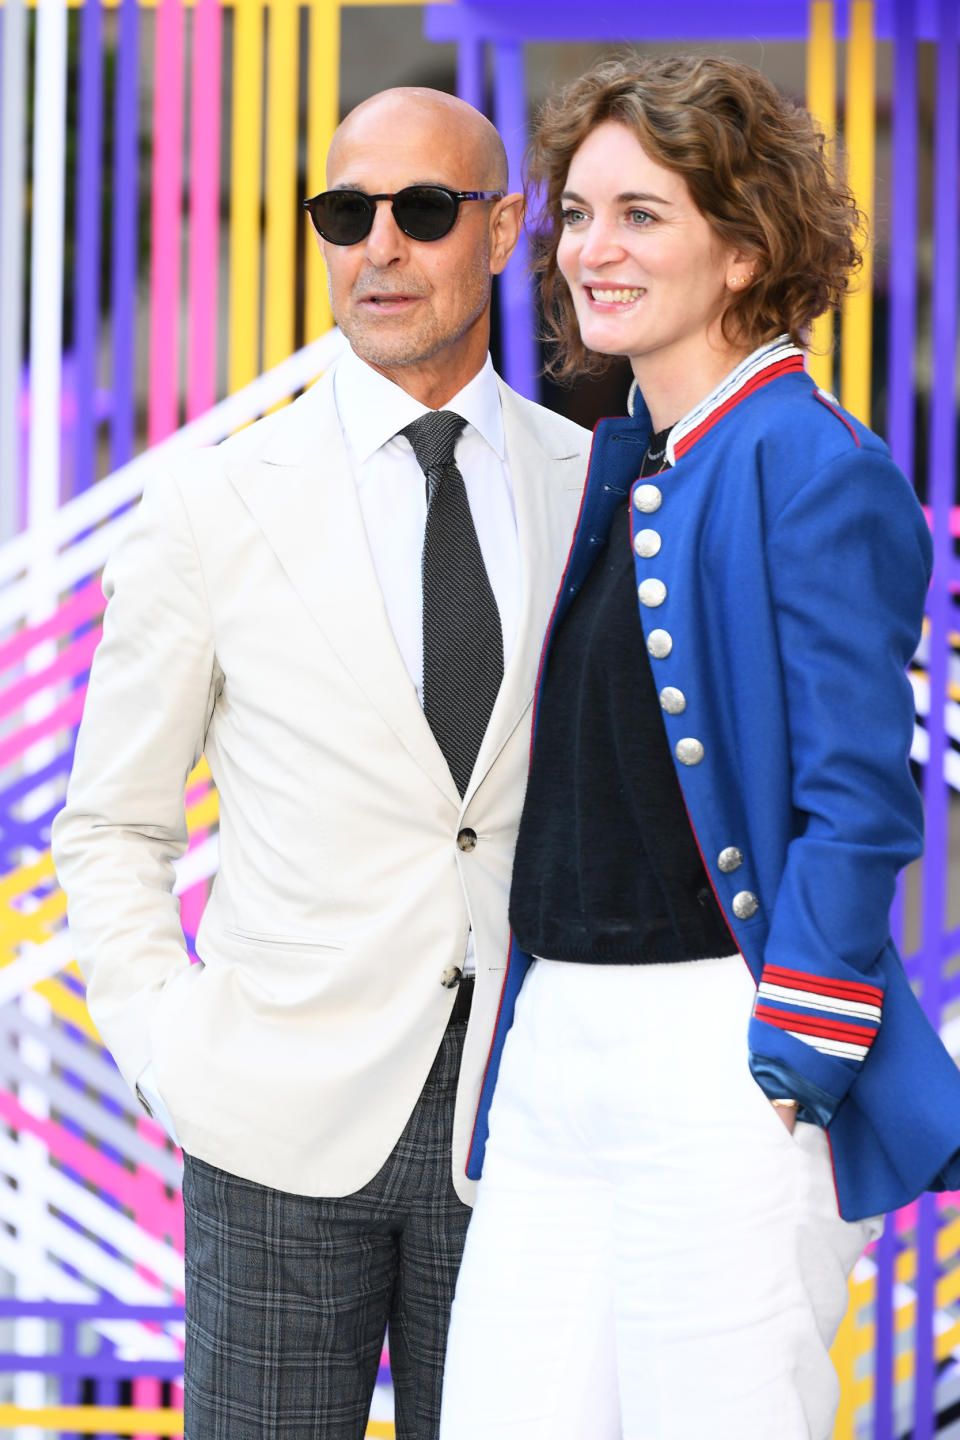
column 342, row 607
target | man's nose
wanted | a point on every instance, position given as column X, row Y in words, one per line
column 386, row 242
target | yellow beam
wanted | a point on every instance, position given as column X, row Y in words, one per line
column 860, row 128
column 93, row 1419
column 844, row 1356
column 245, row 167
column 822, row 104
column 323, row 115
column 281, row 181
column 122, row 1420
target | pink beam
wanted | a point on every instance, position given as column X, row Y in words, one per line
column 80, row 608
column 166, row 185
column 954, row 520
column 64, row 717
column 74, row 660
column 139, row 1191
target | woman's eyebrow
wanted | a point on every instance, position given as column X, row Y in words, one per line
column 624, row 197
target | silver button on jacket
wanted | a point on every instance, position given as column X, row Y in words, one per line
column 745, row 904
column 647, row 499
column 689, row 751
column 647, row 543
column 673, row 700
column 659, row 643
column 652, row 593
column 730, row 859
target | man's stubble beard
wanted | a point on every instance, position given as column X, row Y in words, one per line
column 423, row 341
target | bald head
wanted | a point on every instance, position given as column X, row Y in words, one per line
column 418, row 310
column 424, row 114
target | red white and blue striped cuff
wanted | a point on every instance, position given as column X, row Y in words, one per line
column 836, row 1017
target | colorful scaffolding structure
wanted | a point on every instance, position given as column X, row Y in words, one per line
column 163, row 270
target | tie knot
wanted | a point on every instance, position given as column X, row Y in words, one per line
column 434, row 438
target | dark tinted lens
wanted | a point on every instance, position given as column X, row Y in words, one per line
column 424, row 212
column 343, row 216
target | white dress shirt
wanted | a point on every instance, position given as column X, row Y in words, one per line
column 392, row 492
column 391, row 489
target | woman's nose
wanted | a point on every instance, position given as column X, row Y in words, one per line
column 601, row 244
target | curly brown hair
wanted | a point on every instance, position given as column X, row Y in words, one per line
column 757, row 169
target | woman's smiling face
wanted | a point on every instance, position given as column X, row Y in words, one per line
column 648, row 277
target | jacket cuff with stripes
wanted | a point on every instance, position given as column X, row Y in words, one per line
column 810, row 1034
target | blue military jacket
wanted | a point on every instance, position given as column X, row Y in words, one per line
column 782, row 563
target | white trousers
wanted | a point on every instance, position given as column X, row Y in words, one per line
column 652, row 1256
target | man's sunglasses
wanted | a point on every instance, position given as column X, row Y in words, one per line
column 424, row 212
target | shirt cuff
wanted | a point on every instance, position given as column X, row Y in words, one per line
column 152, row 1101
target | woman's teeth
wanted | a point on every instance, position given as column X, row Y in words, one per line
column 616, row 297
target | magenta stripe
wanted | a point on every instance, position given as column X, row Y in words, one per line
column 80, row 607
column 166, row 185
column 74, row 660
column 65, row 716
column 157, row 1214
column 204, row 207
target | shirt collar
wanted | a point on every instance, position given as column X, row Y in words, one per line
column 372, row 409
column 759, row 368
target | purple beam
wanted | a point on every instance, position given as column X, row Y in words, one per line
column 91, row 1367
column 942, row 489
column 903, row 241
column 885, row 1256
column 518, row 347
column 900, row 437
column 87, row 272
column 625, row 20
column 106, row 1308
column 470, row 71
column 123, row 288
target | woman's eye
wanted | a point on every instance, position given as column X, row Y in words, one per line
column 571, row 217
column 640, row 217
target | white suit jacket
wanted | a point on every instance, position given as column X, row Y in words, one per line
column 245, row 620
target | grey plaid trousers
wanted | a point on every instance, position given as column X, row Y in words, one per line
column 288, row 1296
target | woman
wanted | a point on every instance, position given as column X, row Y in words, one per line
column 718, row 805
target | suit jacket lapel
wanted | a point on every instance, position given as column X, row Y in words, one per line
column 548, row 479
column 301, row 492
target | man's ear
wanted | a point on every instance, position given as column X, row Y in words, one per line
column 506, row 222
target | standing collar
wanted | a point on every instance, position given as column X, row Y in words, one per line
column 758, row 369
column 372, row 409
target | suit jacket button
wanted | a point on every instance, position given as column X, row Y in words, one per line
column 730, row 859
column 689, row 751
column 647, row 499
column 673, row 700
column 467, row 840
column 451, row 978
column 745, row 904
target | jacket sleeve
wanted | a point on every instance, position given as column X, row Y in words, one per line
column 849, row 563
column 151, row 693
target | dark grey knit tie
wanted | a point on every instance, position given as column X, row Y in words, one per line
column 462, row 636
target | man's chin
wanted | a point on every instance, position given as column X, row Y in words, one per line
column 389, row 350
